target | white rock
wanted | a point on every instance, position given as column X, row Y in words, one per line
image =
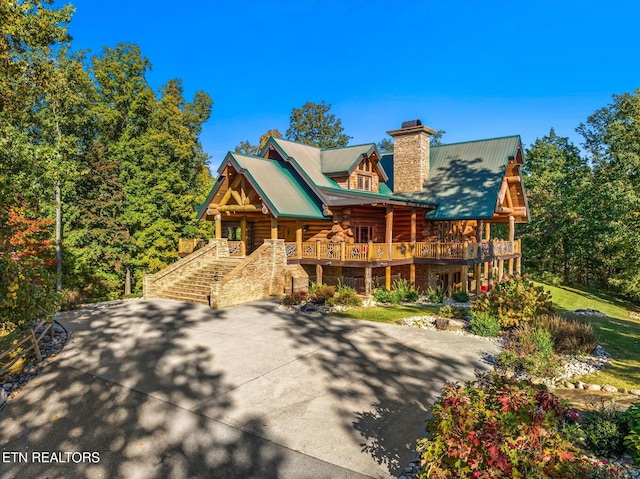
column 610, row 389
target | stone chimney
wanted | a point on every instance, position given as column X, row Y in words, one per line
column 410, row 156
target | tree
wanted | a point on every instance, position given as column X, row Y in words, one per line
column 247, row 148
column 556, row 178
column 611, row 136
column 314, row 125
column 386, row 144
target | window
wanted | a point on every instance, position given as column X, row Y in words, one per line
column 363, row 183
column 364, row 234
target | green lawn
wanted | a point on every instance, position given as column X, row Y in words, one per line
column 619, row 334
column 388, row 314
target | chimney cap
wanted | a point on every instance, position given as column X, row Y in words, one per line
column 411, row 124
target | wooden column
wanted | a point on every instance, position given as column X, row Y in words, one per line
column 500, row 270
column 387, row 277
column 243, row 236
column 299, row 239
column 518, row 265
column 464, row 276
column 367, row 281
column 477, row 277
column 489, row 276
column 319, row 273
column 512, row 235
column 413, row 225
column 479, row 231
column 512, row 228
column 274, row 228
column 412, row 266
column 218, row 225
column 487, row 232
column 388, row 235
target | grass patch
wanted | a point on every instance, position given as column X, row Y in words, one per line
column 387, row 314
column 619, row 334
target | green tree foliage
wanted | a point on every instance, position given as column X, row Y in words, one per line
column 557, row 178
column 246, row 148
column 312, row 124
column 612, row 138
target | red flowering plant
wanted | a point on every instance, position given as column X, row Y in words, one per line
column 493, row 428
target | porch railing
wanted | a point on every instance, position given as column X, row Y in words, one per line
column 397, row 251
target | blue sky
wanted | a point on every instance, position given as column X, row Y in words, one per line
column 476, row 69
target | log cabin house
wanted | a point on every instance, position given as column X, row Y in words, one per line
column 364, row 218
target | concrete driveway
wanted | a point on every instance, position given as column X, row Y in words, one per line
column 162, row 389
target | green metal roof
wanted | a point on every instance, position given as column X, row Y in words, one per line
column 309, row 159
column 279, row 186
column 343, row 160
column 465, row 178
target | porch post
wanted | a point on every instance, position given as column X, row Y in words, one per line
column 298, row 239
column 388, row 237
column 243, row 236
column 274, row 228
column 464, row 275
column 412, row 266
column 500, row 270
column 489, row 276
column 367, row 281
column 512, row 233
column 218, row 225
column 519, row 265
column 319, row 273
column 476, row 275
column 387, row 277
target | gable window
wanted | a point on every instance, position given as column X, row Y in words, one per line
column 364, row 234
column 363, row 182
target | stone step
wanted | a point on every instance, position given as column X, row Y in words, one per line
column 186, row 290
column 191, row 298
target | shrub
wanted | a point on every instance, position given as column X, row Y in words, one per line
column 460, row 296
column 530, row 350
column 345, row 296
column 484, row 324
column 383, row 295
column 493, row 428
column 514, row 301
column 297, row 297
column 321, row 293
column 632, row 440
column 449, row 311
column 604, row 431
column 569, row 336
column 406, row 290
column 437, row 294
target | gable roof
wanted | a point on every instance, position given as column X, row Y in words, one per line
column 465, row 178
column 278, row 185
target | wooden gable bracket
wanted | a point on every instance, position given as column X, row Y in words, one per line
column 238, row 191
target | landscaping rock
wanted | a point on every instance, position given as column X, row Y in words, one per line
column 635, row 392
column 593, row 387
column 610, row 389
column 589, row 312
column 569, row 385
column 457, row 325
column 3, row 396
column 580, row 385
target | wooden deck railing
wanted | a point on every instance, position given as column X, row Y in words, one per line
column 398, row 251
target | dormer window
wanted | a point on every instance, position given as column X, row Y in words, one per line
column 363, row 182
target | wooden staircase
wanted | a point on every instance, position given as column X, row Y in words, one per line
column 196, row 287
